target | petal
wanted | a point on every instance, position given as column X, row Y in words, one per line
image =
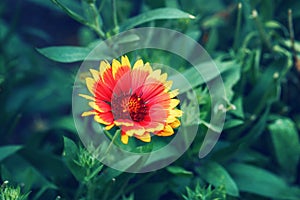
column 147, row 67
column 163, row 77
column 95, row 74
column 124, row 138
column 168, row 131
column 153, row 127
column 168, row 85
column 139, row 63
column 108, row 127
column 108, row 79
column 90, row 83
column 146, row 137
column 87, row 97
column 125, row 61
column 124, row 122
column 115, row 67
column 93, row 105
column 104, row 118
column 173, row 114
column 175, row 124
column 105, row 107
column 154, row 76
column 104, row 65
column 88, row 113
column 173, row 93
column 174, row 103
column 133, row 130
column 102, row 92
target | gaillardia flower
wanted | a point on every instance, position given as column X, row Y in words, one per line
column 136, row 99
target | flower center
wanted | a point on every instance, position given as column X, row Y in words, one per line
column 129, row 107
column 137, row 108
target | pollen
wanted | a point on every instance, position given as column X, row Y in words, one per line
column 137, row 108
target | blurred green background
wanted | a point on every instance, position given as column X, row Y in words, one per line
column 257, row 156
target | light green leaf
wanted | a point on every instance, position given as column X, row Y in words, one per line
column 65, row 54
column 286, row 145
column 259, row 181
column 273, row 24
column 6, row 151
column 179, row 171
column 160, row 13
column 217, row 175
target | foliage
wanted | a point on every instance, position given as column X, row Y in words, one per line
column 251, row 42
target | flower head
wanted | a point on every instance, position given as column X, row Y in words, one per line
column 137, row 99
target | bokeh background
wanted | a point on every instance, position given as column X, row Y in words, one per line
column 257, row 156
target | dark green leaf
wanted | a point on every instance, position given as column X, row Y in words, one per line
column 216, row 175
column 65, row 54
column 160, row 13
column 6, row 151
column 259, row 181
column 195, row 78
column 232, row 123
column 286, row 145
column 70, row 154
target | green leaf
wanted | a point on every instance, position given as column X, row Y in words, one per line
column 231, row 77
column 232, row 123
column 65, row 54
column 7, row 151
column 160, row 13
column 217, row 175
column 286, row 145
column 194, row 77
column 259, row 181
column 70, row 154
column 179, row 171
column 66, row 123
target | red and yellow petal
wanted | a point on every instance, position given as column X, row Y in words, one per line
column 118, row 80
column 168, row 131
column 133, row 130
column 104, row 118
column 124, row 138
column 123, row 122
column 90, row 83
column 146, row 137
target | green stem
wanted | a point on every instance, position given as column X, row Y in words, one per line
column 121, row 190
column 96, row 21
column 81, row 20
column 115, row 15
column 264, row 37
column 139, row 182
column 110, row 144
column 292, row 35
column 238, row 28
column 101, row 5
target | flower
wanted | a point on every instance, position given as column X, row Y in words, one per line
column 137, row 99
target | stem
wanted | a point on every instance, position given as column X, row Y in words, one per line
column 115, row 17
column 110, row 145
column 101, row 5
column 120, row 190
column 238, row 28
column 292, row 35
column 139, row 182
column 96, row 21
column 81, row 20
column 262, row 32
